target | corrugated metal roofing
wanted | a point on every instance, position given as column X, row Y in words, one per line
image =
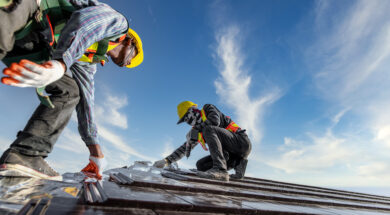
column 142, row 189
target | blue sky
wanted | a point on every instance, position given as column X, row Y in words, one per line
column 307, row 79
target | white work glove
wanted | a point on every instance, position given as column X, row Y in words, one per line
column 161, row 163
column 95, row 167
column 30, row 74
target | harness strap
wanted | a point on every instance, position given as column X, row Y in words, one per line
column 24, row 31
column 233, row 127
column 202, row 141
column 101, row 51
column 203, row 115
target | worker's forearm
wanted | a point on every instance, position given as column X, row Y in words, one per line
column 177, row 154
column 95, row 150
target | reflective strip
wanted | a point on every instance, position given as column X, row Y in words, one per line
column 203, row 115
column 94, row 49
column 201, row 141
column 51, row 30
column 90, row 56
column 233, row 127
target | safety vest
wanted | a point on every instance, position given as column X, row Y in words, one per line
column 49, row 21
column 96, row 53
column 232, row 127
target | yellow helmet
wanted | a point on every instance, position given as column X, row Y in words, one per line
column 182, row 109
column 137, row 60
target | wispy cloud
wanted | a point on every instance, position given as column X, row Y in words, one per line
column 233, row 85
column 351, row 60
column 4, row 143
column 109, row 111
column 348, row 61
column 117, row 148
column 71, row 141
column 168, row 147
column 120, row 144
column 320, row 154
column 109, row 116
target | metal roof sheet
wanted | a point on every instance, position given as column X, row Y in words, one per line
column 143, row 189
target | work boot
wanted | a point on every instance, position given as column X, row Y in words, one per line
column 240, row 169
column 213, row 173
column 12, row 163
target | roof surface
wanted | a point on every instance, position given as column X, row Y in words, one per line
column 142, row 189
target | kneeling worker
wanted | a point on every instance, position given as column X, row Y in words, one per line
column 229, row 145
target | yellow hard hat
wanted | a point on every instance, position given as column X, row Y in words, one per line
column 137, row 60
column 182, row 109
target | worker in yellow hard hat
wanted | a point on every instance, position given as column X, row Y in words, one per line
column 42, row 53
column 229, row 144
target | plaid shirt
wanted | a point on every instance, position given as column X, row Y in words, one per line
column 93, row 22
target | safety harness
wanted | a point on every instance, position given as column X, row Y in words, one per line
column 49, row 21
column 232, row 127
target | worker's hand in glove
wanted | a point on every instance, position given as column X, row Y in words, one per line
column 161, row 163
column 29, row 74
column 95, row 167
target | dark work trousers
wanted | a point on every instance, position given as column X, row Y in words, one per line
column 46, row 124
column 206, row 163
column 219, row 140
column 12, row 21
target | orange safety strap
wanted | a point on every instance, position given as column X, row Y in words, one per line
column 90, row 56
column 120, row 39
column 233, row 127
column 92, row 52
column 51, row 29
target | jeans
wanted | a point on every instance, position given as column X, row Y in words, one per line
column 46, row 124
column 221, row 140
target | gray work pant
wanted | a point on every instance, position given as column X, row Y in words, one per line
column 46, row 124
column 206, row 162
column 220, row 140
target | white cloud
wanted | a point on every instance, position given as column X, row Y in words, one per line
column 109, row 116
column 71, row 141
column 4, row 143
column 108, row 113
column 339, row 115
column 375, row 169
column 350, row 59
column 168, row 147
column 233, row 85
column 120, row 144
column 383, row 134
column 319, row 154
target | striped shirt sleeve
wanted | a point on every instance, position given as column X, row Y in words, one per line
column 85, row 27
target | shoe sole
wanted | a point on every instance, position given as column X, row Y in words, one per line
column 212, row 177
column 17, row 170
